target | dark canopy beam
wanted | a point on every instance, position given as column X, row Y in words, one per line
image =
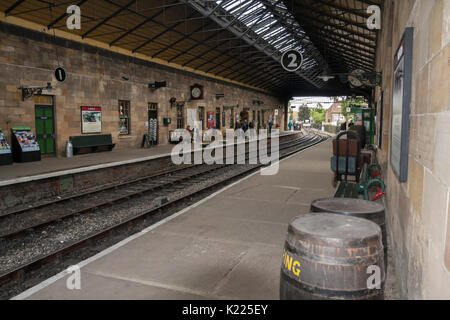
column 15, row 5
column 108, row 18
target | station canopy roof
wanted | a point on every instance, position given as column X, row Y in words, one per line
column 240, row 40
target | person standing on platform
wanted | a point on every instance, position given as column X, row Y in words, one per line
column 251, row 126
column 245, row 126
column 360, row 132
column 361, row 129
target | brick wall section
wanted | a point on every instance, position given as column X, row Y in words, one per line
column 95, row 79
column 419, row 209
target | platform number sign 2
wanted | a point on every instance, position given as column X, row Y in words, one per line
column 60, row 74
column 292, row 60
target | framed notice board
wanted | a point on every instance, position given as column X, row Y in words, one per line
column 91, row 119
column 210, row 120
column 401, row 106
column 380, row 120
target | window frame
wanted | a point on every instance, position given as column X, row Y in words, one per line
column 126, row 105
column 180, row 116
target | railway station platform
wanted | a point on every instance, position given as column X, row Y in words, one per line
column 58, row 166
column 22, row 184
column 227, row 246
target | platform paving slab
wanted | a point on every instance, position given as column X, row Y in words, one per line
column 265, row 211
column 54, row 164
column 228, row 247
column 99, row 286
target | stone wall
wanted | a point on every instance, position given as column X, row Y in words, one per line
column 418, row 210
column 95, row 78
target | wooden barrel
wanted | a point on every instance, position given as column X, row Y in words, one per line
column 359, row 208
column 329, row 256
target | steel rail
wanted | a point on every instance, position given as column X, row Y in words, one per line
column 51, row 217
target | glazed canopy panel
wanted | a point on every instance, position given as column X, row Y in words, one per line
column 239, row 40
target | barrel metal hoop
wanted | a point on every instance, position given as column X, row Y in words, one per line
column 335, row 294
column 345, row 261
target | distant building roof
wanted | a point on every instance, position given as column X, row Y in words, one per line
column 335, row 108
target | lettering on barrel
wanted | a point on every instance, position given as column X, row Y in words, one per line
column 290, row 263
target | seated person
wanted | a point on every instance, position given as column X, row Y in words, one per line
column 360, row 131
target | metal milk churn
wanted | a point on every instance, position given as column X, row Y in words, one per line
column 69, row 149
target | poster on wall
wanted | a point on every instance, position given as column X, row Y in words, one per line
column 191, row 117
column 210, row 120
column 91, row 119
column 401, row 106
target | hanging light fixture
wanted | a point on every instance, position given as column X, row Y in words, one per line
column 325, row 76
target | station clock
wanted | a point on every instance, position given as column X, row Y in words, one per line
column 196, row 92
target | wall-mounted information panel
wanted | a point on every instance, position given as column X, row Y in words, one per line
column 401, row 106
column 91, row 119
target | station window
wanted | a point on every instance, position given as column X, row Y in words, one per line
column 232, row 118
column 218, row 118
column 201, row 116
column 124, row 117
column 223, row 119
column 43, row 100
column 180, row 117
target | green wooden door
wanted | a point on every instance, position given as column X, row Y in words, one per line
column 45, row 130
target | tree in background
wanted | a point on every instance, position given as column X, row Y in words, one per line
column 291, row 113
column 352, row 102
column 303, row 113
column 318, row 114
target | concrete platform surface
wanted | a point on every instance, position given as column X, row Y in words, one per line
column 87, row 161
column 55, row 166
column 227, row 247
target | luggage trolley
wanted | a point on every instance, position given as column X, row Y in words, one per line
column 346, row 157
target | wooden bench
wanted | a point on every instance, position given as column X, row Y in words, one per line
column 353, row 189
column 347, row 190
column 100, row 142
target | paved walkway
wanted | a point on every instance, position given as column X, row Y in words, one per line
column 227, row 247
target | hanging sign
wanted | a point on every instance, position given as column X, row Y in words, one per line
column 292, row 60
column 60, row 74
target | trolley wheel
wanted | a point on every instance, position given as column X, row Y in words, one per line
column 334, row 182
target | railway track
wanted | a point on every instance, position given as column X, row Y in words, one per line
column 133, row 200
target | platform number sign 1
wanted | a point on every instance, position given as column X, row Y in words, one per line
column 292, row 60
column 60, row 74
